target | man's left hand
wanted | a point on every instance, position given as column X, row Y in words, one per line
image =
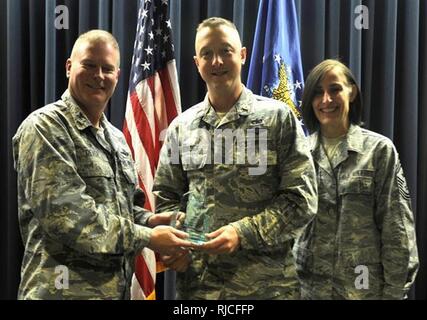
column 223, row 240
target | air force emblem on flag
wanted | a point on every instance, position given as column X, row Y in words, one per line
column 284, row 90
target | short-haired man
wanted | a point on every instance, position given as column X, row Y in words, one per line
column 80, row 210
column 249, row 176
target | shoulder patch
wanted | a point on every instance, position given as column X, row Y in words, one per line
column 401, row 182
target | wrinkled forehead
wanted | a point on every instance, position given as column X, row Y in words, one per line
column 216, row 35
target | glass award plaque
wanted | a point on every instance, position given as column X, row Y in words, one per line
column 197, row 227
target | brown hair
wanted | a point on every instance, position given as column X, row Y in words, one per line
column 312, row 81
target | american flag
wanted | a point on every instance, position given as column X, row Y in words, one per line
column 152, row 103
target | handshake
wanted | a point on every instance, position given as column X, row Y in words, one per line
column 174, row 245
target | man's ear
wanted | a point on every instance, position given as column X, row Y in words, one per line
column 353, row 92
column 243, row 55
column 196, row 61
column 67, row 67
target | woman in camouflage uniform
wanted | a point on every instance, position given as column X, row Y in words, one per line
column 362, row 243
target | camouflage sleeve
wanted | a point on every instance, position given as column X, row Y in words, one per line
column 396, row 224
column 170, row 183
column 296, row 202
column 45, row 160
column 141, row 215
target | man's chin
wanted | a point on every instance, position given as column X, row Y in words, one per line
column 96, row 101
column 98, row 96
column 220, row 83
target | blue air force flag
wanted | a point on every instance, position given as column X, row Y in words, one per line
column 275, row 69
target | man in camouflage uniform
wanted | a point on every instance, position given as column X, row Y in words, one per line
column 77, row 187
column 245, row 166
column 361, row 245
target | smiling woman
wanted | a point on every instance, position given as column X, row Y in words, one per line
column 331, row 99
column 331, row 103
column 364, row 219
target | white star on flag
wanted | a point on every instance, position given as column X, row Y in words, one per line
column 146, row 65
column 149, row 50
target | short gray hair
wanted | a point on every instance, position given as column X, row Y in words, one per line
column 215, row 22
column 96, row 36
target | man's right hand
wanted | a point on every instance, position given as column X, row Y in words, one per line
column 178, row 262
column 165, row 218
column 169, row 241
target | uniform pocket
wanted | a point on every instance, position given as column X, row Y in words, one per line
column 193, row 161
column 357, row 256
column 97, row 176
column 95, row 168
column 128, row 167
column 357, row 185
column 259, row 162
column 357, row 203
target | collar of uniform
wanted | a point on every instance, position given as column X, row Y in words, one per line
column 316, row 148
column 81, row 120
column 352, row 142
column 318, row 153
column 314, row 141
column 242, row 107
column 355, row 138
